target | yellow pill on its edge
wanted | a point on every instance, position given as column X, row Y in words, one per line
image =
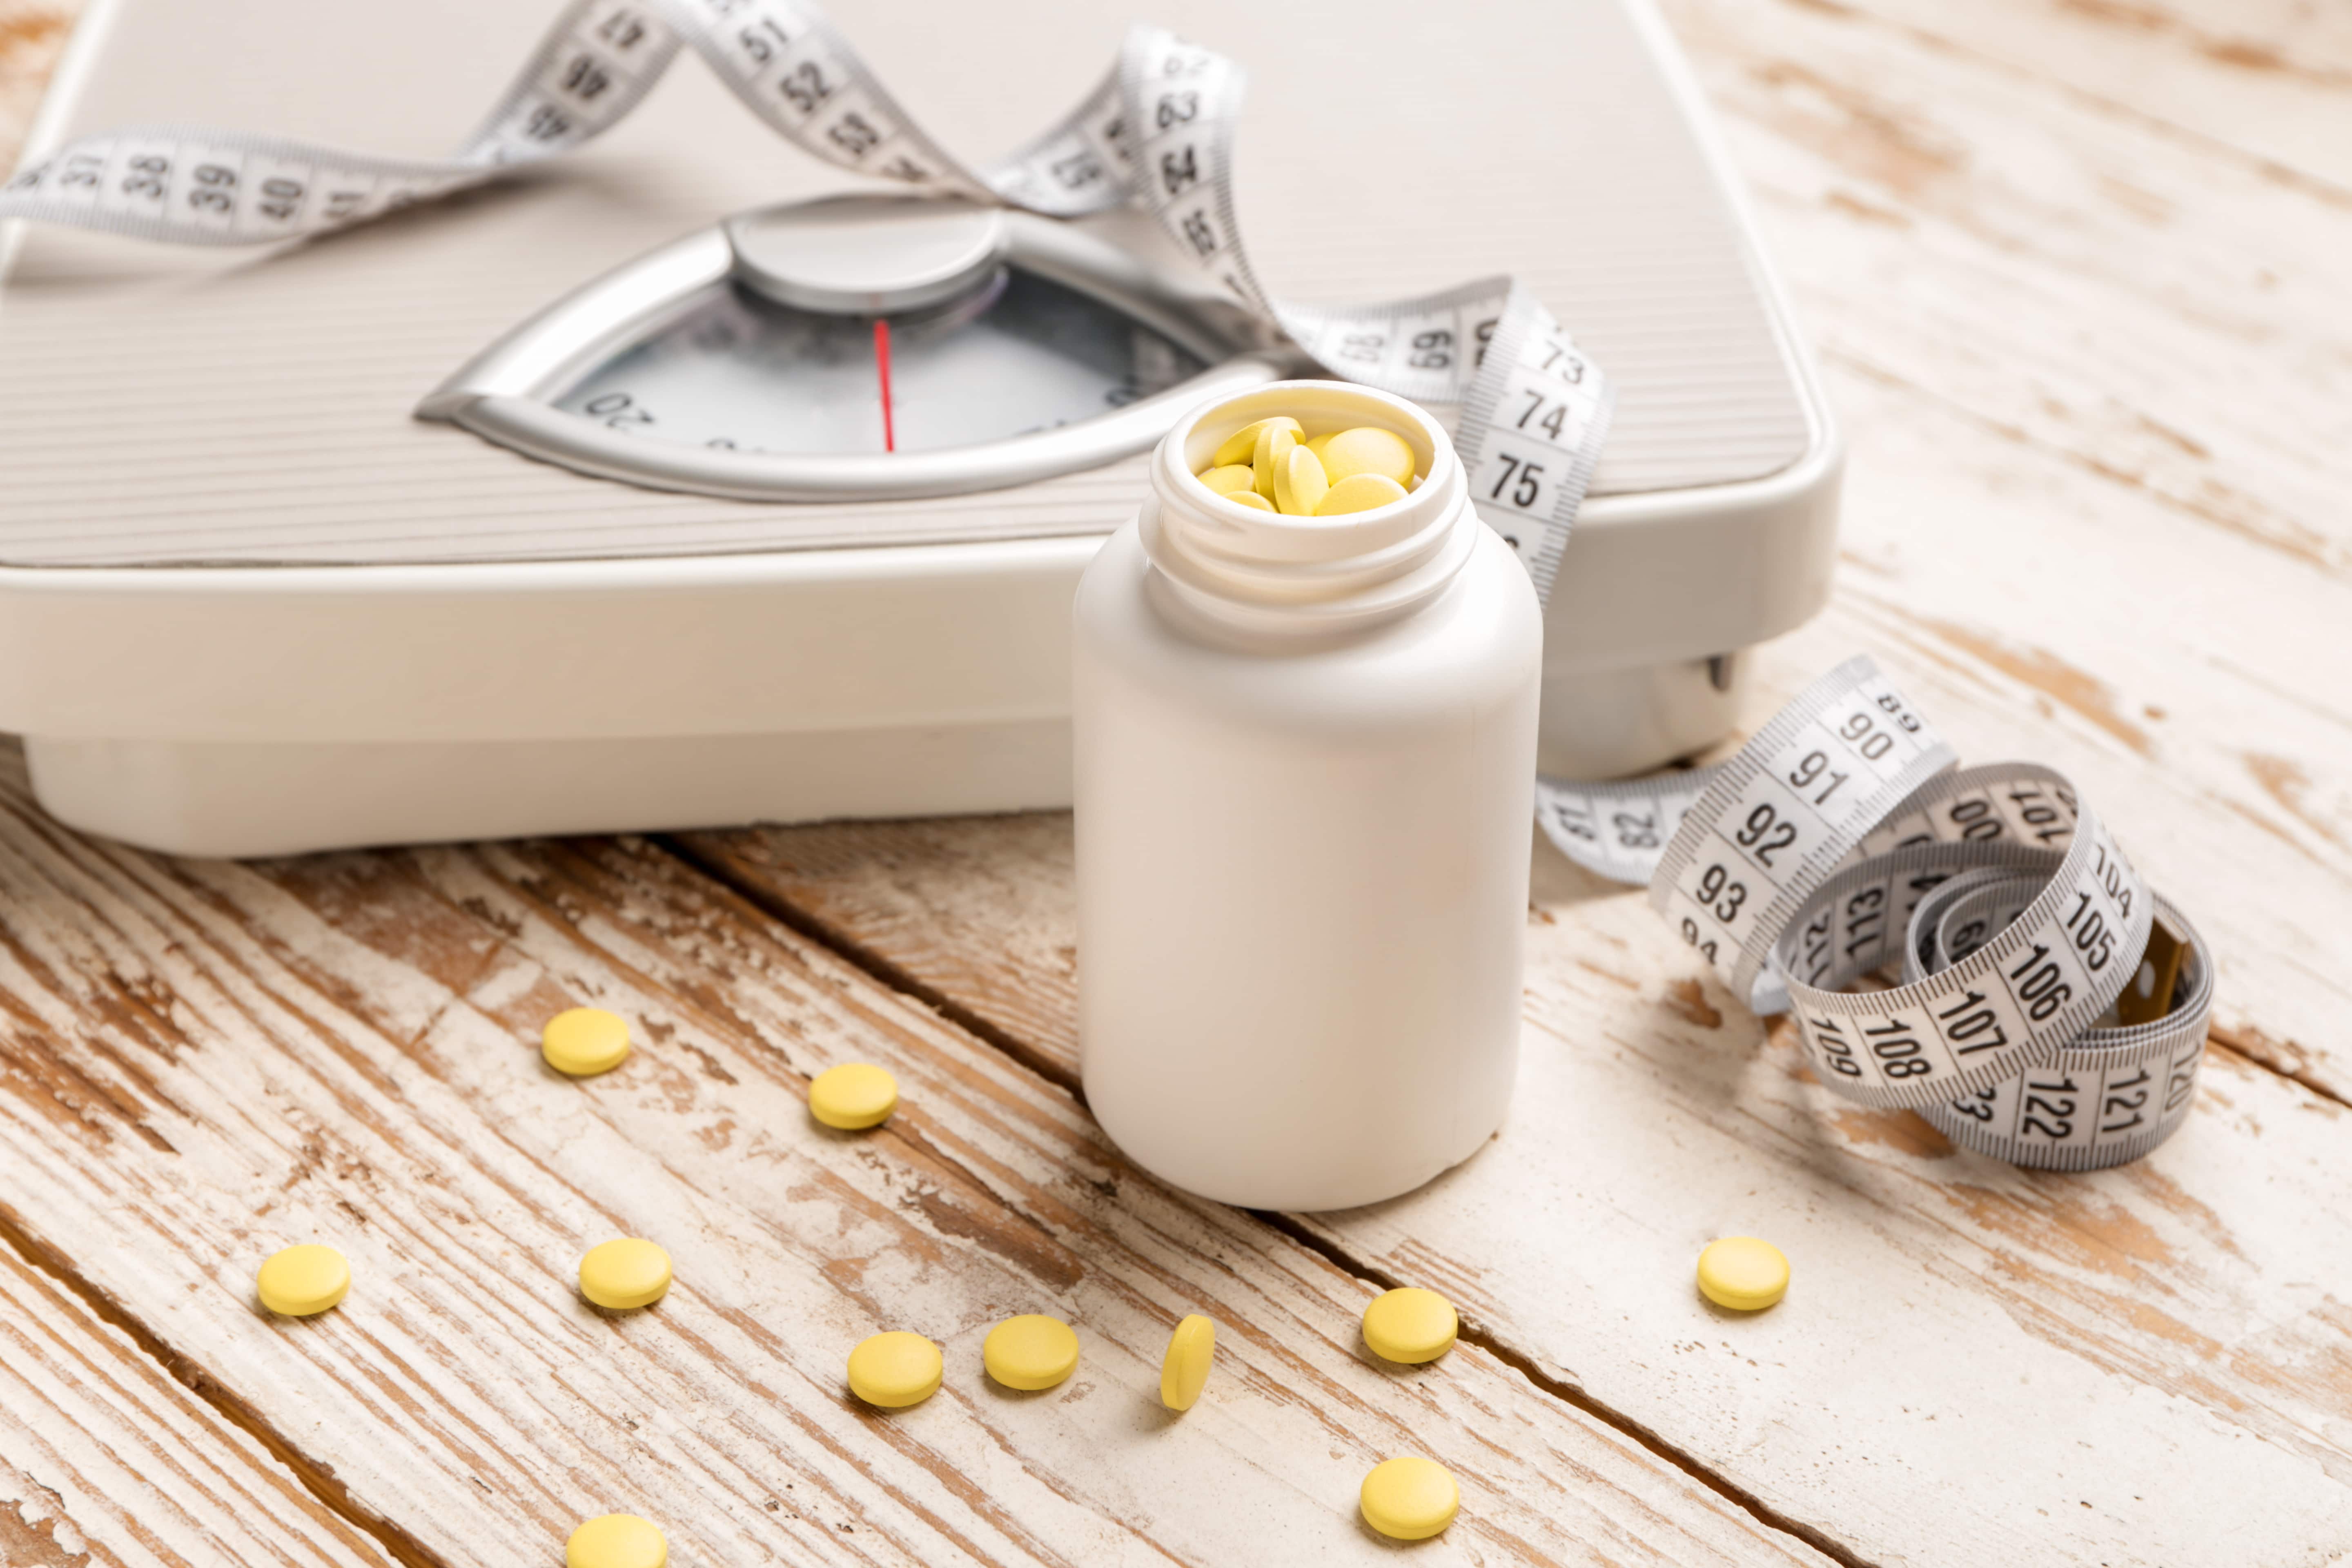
column 1190, row 1350
column 1227, row 477
column 1274, row 443
column 894, row 1370
column 1411, row 1325
column 301, row 1281
column 628, row 1272
column 1743, row 1273
column 1298, row 483
column 1360, row 492
column 1251, row 499
column 1368, row 449
column 1242, row 445
column 1030, row 1351
column 583, row 1041
column 617, row 1541
column 853, row 1095
column 1409, row 1498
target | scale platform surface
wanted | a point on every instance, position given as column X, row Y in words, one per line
column 250, row 604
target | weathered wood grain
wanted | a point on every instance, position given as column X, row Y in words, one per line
column 2093, row 372
column 106, row 1459
column 205, row 1061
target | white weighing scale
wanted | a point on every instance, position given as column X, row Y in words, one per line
column 682, row 481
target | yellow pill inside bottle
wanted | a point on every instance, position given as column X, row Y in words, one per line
column 303, row 1281
column 854, row 1096
column 1191, row 1351
column 1242, row 445
column 1251, row 499
column 1368, row 449
column 625, row 1273
column 1030, row 1351
column 1359, row 492
column 1224, row 480
column 1411, row 1325
column 582, row 1041
column 1274, row 443
column 1298, row 484
column 1743, row 1272
column 617, row 1541
column 1409, row 1498
column 894, row 1370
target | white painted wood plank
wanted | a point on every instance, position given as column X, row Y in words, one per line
column 105, row 1459
column 212, row 1060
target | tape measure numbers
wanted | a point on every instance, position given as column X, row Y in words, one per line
column 1840, row 843
column 1158, row 131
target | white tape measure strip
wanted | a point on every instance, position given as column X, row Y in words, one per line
column 1839, row 844
column 1159, row 130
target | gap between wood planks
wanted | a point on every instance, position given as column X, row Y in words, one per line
column 896, row 978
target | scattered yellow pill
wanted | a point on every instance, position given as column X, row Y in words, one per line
column 1228, row 478
column 1368, row 449
column 1190, row 1350
column 584, row 1041
column 1410, row 1498
column 1030, row 1351
column 1251, row 499
column 1274, row 443
column 1743, row 1273
column 1242, row 445
column 629, row 1272
column 1298, row 483
column 301, row 1281
column 1411, row 1325
column 894, row 1370
column 853, row 1095
column 617, row 1541
column 1360, row 492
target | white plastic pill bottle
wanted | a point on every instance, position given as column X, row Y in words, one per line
column 1306, row 755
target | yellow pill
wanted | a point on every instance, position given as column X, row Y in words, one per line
column 1743, row 1273
column 1242, row 445
column 1251, row 499
column 302, row 1281
column 1411, row 1325
column 1299, row 484
column 1360, row 492
column 853, row 1095
column 1318, row 445
column 1368, row 449
column 1228, row 478
column 629, row 1272
column 584, row 1041
column 1410, row 1498
column 1274, row 443
column 1030, row 1351
column 894, row 1370
column 617, row 1541
column 1190, row 1350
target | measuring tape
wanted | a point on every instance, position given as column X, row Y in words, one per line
column 1158, row 131
column 1840, row 843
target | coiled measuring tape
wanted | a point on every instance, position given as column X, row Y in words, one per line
column 1840, row 843
column 1158, row 131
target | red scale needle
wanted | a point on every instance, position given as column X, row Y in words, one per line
column 882, row 371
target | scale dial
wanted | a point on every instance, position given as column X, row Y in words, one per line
column 861, row 347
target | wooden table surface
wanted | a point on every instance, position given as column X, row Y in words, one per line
column 2080, row 272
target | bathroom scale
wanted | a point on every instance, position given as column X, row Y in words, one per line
column 686, row 479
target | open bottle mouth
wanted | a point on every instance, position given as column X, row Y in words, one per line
column 1285, row 573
